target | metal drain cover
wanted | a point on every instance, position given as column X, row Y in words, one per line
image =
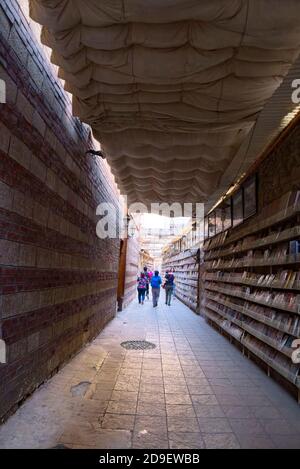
column 138, row 345
column 60, row 446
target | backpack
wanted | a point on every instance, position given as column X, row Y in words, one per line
column 142, row 283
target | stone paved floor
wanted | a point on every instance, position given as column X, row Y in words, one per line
column 195, row 390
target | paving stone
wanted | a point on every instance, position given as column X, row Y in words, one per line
column 151, row 408
column 177, row 410
column 154, row 380
column 221, row 441
column 123, row 386
column 267, row 412
column 150, row 424
column 238, row 412
column 255, row 442
column 124, row 396
column 118, row 421
column 247, row 426
column 98, row 393
column 174, row 381
column 286, row 441
column 121, row 407
column 150, row 387
column 214, row 425
column 105, row 384
column 180, row 440
column 209, row 411
column 278, row 427
column 150, row 441
column 178, row 398
column 150, row 399
column 173, row 389
column 179, row 424
column 204, row 399
column 231, row 400
column 87, row 436
column 200, row 388
column 228, row 390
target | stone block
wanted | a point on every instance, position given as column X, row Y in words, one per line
column 9, row 252
column 6, row 196
column 20, row 152
column 25, row 107
column 5, row 24
column 5, row 136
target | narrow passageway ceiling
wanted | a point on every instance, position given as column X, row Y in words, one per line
column 172, row 88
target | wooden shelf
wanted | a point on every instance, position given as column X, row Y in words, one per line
column 285, row 350
column 185, row 270
column 285, row 235
column 257, row 262
column 251, row 298
column 293, row 378
column 267, row 312
column 273, row 364
column 241, row 281
column 254, row 332
column 252, row 314
column 225, row 328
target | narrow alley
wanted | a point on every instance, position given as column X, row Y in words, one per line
column 149, row 149
column 194, row 390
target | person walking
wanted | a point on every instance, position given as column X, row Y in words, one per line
column 150, row 274
column 155, row 284
column 141, row 288
column 169, row 287
column 147, row 276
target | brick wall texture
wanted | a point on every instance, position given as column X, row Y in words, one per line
column 279, row 172
column 57, row 279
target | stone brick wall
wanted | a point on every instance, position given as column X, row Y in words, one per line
column 280, row 171
column 57, row 279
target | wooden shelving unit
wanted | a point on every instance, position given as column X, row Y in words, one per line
column 252, row 286
column 183, row 257
column 186, row 271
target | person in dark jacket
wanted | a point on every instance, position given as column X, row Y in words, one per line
column 169, row 287
column 147, row 276
column 155, row 284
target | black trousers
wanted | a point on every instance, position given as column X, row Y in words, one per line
column 141, row 294
column 169, row 291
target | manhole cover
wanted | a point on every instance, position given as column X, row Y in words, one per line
column 138, row 345
column 60, row 446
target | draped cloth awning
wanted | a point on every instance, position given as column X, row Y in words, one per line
column 171, row 88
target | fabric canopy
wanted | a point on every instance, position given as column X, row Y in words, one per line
column 171, row 88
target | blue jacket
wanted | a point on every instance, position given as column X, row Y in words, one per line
column 155, row 281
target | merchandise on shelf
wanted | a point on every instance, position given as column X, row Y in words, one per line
column 252, row 284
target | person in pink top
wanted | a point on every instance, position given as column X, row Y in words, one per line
column 142, row 287
column 150, row 274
